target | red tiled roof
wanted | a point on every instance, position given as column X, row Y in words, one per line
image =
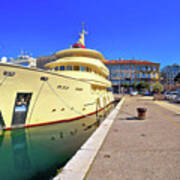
column 128, row 62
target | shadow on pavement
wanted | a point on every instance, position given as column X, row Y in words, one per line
column 132, row 118
column 129, row 118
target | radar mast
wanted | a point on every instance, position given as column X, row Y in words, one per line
column 82, row 35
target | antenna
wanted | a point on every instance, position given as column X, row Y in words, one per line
column 83, row 30
column 22, row 52
column 83, row 25
column 82, row 34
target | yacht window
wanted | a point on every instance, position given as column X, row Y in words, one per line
column 82, row 68
column 62, row 68
column 89, row 69
column 69, row 68
column 56, row 68
column 76, row 68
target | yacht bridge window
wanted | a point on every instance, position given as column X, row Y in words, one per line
column 82, row 68
column 76, row 68
column 69, row 68
column 62, row 68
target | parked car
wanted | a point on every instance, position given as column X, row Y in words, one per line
column 177, row 98
column 166, row 95
column 147, row 93
column 170, row 95
column 173, row 95
column 133, row 93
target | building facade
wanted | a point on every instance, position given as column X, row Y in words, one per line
column 42, row 60
column 132, row 72
column 169, row 73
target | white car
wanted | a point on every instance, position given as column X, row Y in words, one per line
column 171, row 95
column 177, row 99
column 133, row 93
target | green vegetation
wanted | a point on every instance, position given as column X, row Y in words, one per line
column 157, row 87
column 142, row 86
column 126, row 85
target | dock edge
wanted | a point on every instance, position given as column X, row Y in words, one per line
column 78, row 167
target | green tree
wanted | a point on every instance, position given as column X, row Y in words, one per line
column 125, row 85
column 157, row 87
column 143, row 86
column 133, row 85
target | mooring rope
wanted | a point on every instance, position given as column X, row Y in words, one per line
column 32, row 109
column 66, row 104
column 5, row 77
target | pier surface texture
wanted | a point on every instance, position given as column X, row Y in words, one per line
column 141, row 149
column 78, row 166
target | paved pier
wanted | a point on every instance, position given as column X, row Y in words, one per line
column 141, row 149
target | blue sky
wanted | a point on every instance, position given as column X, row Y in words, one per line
column 148, row 30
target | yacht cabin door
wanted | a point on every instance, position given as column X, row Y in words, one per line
column 22, row 102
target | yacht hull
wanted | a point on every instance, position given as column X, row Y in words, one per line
column 32, row 97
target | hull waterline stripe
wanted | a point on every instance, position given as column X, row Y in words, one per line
column 62, row 121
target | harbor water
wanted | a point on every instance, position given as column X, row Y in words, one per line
column 38, row 152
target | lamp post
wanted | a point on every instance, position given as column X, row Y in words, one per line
column 119, row 88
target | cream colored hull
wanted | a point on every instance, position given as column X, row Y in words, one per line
column 54, row 97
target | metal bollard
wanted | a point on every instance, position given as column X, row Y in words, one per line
column 141, row 113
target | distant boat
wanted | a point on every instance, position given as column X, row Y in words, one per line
column 24, row 60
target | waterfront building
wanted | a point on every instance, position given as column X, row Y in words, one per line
column 132, row 72
column 169, row 73
column 42, row 60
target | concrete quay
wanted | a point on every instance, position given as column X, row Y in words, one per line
column 141, row 149
column 78, row 166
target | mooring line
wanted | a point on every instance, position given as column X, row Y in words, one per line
column 5, row 77
column 35, row 101
column 66, row 104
